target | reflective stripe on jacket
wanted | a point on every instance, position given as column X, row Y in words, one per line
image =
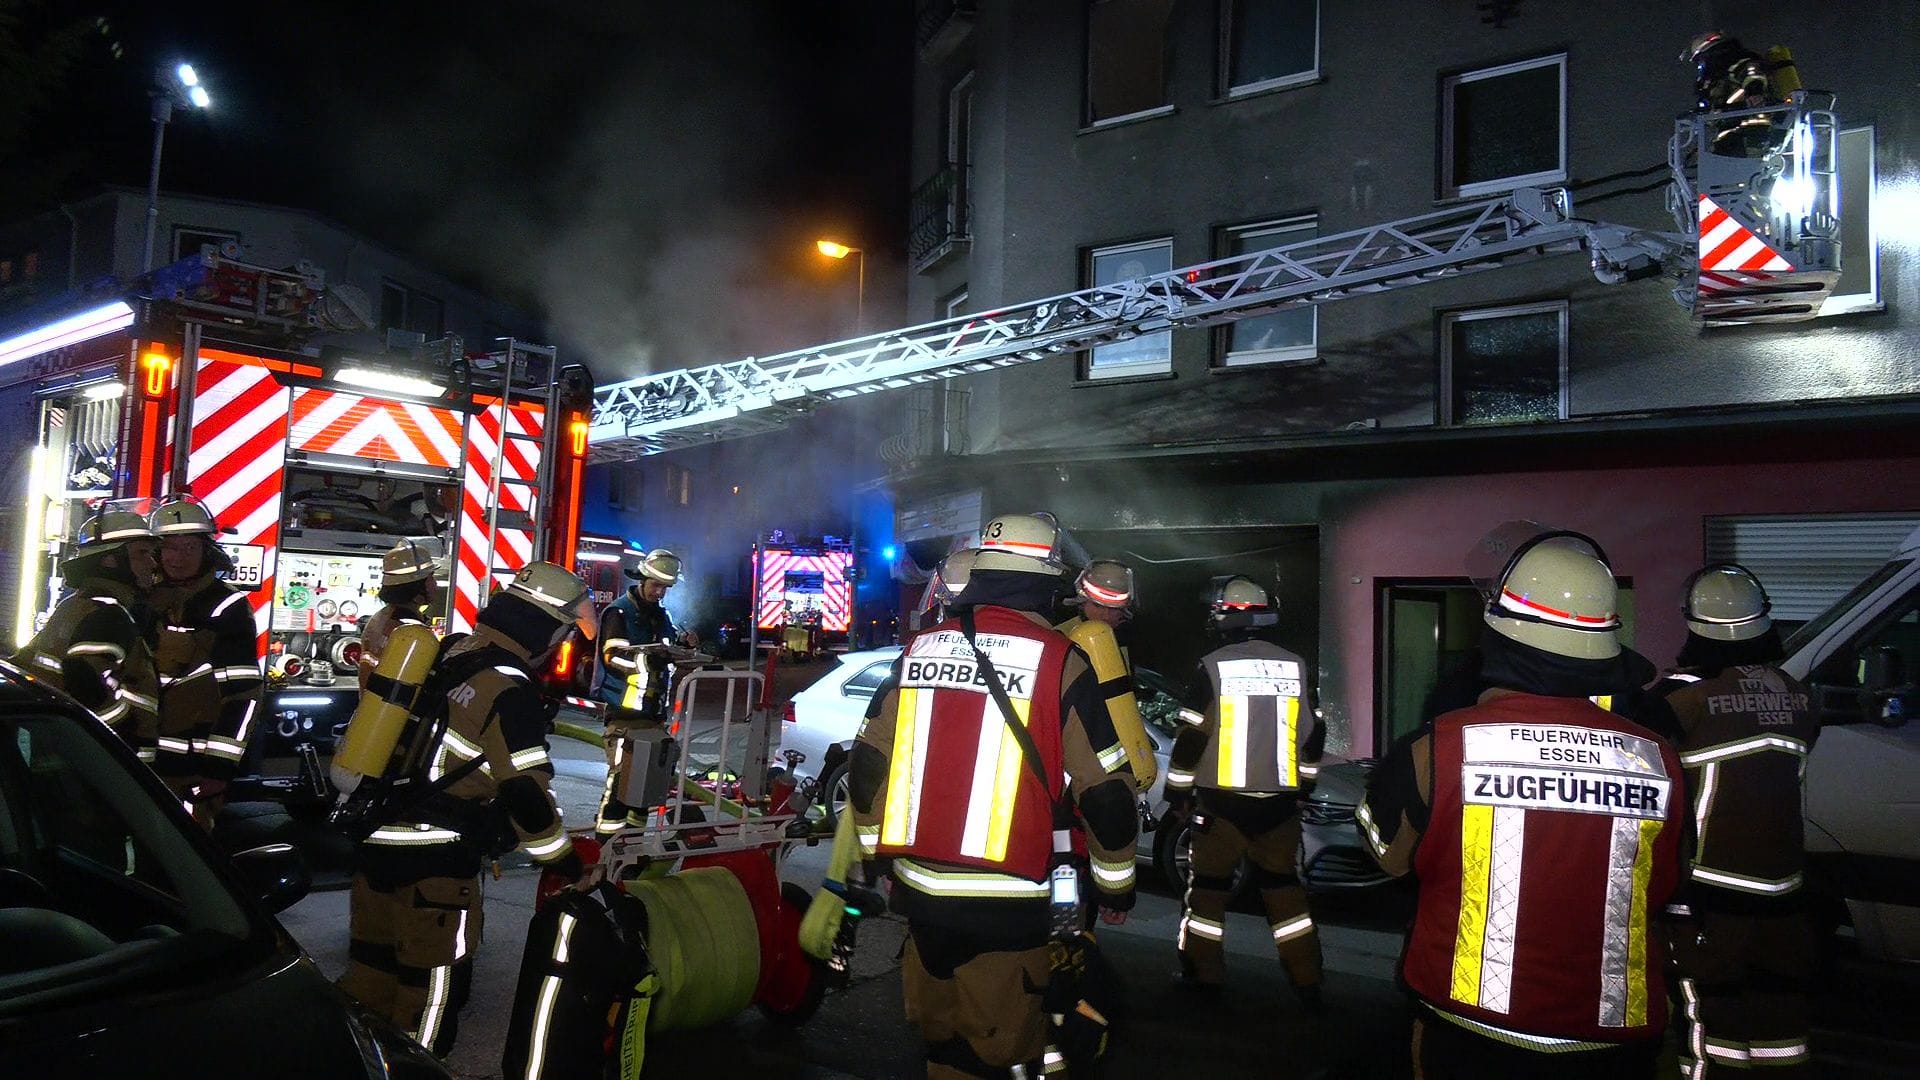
column 1745, row 735
column 959, row 791
column 1257, row 733
column 1554, row 839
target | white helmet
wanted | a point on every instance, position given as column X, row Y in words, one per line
column 1022, row 543
column 405, row 563
column 659, row 565
column 1726, row 602
column 1107, row 583
column 557, row 591
column 1557, row 594
column 950, row 578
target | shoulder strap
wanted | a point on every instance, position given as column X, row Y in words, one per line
column 1020, row 734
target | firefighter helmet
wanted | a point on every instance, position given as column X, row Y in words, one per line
column 658, row 565
column 1106, row 582
column 1726, row 602
column 1557, row 594
column 405, row 563
column 557, row 591
column 1701, row 44
column 182, row 515
column 105, row 533
column 950, row 578
column 1238, row 593
column 1023, row 543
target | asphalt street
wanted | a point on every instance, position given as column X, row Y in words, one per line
column 1256, row 1029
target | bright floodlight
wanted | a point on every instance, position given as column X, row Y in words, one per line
column 198, row 95
column 833, row 250
column 186, row 76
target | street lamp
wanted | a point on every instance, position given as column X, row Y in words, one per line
column 181, row 87
column 835, row 250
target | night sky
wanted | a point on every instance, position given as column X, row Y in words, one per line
column 649, row 176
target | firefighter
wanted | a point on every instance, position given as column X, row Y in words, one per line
column 1546, row 834
column 416, row 901
column 1728, row 75
column 1104, row 595
column 94, row 645
column 409, row 589
column 944, row 790
column 1742, row 944
column 1242, row 761
column 635, row 671
column 207, row 651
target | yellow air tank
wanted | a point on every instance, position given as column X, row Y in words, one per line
column 1786, row 75
column 1096, row 639
column 385, row 706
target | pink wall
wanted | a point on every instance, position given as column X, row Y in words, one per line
column 1649, row 520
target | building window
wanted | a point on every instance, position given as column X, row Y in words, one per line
column 954, row 304
column 30, row 265
column 1859, row 286
column 1284, row 335
column 1504, row 365
column 1148, row 354
column 1504, row 127
column 1126, row 58
column 1266, row 44
column 407, row 309
column 188, row 240
column 624, row 487
column 679, row 485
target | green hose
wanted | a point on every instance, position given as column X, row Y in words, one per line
column 704, row 943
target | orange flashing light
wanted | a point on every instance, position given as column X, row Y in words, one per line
column 577, row 427
column 159, row 367
column 564, row 663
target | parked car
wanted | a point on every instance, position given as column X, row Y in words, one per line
column 131, row 946
column 823, row 719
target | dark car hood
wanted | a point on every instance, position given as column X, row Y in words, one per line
column 1342, row 783
column 278, row 1018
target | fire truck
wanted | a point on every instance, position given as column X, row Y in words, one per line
column 803, row 589
column 224, row 380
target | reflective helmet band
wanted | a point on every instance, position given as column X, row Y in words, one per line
column 1513, row 601
column 1105, row 596
column 1015, row 547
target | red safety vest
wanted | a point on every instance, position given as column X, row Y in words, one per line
column 1553, row 843
column 958, row 790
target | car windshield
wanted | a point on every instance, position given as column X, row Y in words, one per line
column 1840, row 607
column 99, row 888
column 1159, row 708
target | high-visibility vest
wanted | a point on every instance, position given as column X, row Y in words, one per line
column 1552, row 845
column 958, row 790
column 642, row 687
column 1259, row 732
column 1747, row 734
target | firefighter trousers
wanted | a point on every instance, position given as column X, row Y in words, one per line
column 1740, row 984
column 1443, row 1050
column 1218, row 847
column 979, row 1011
column 614, row 815
column 410, row 957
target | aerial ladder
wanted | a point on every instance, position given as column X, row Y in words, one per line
column 1756, row 240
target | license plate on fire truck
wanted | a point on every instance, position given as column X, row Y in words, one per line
column 249, row 565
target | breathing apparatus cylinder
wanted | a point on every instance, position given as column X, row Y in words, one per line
column 386, row 705
column 1096, row 639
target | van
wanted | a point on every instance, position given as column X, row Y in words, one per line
column 1863, row 778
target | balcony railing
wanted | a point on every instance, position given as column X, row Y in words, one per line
column 939, row 23
column 939, row 225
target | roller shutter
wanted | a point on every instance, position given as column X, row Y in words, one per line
column 1808, row 562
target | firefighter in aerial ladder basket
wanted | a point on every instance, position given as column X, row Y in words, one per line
column 1546, row 834
column 1251, row 748
column 207, row 650
column 993, row 736
column 1728, row 75
column 94, row 646
column 409, row 590
column 1742, row 943
column 635, row 672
